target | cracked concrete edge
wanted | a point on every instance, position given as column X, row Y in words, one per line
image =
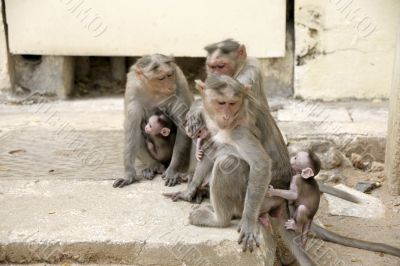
column 140, row 253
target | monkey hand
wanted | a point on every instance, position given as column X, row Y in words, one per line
column 122, row 182
column 248, row 235
column 171, row 178
column 199, row 155
column 271, row 191
column 201, row 194
column 180, row 195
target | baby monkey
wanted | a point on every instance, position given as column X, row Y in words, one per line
column 196, row 129
column 303, row 193
column 159, row 135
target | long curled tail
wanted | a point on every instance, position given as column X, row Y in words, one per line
column 352, row 242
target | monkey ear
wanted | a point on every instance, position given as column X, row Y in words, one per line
column 137, row 70
column 165, row 131
column 247, row 88
column 307, row 173
column 200, row 85
column 242, row 52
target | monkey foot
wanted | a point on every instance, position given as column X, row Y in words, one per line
column 149, row 173
column 202, row 216
column 122, row 182
column 291, row 225
column 171, row 181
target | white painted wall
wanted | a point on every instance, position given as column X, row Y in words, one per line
column 136, row 27
column 347, row 48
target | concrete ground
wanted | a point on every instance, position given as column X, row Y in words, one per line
column 57, row 164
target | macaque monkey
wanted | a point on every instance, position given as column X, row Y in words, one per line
column 197, row 130
column 240, row 169
column 160, row 134
column 229, row 57
column 303, row 193
column 154, row 81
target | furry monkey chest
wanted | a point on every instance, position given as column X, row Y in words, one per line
column 223, row 137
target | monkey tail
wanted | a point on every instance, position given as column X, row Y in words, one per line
column 337, row 193
column 289, row 238
column 352, row 242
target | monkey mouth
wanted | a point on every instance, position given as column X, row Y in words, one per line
column 224, row 124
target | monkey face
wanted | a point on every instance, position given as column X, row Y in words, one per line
column 152, row 127
column 155, row 128
column 203, row 133
column 300, row 161
column 158, row 72
column 163, row 80
column 225, row 58
column 223, row 107
column 220, row 64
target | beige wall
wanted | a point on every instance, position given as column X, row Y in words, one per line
column 345, row 48
column 136, row 27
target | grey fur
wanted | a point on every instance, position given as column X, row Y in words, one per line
column 138, row 105
column 239, row 177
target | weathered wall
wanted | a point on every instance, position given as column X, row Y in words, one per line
column 392, row 158
column 279, row 71
column 344, row 48
column 5, row 60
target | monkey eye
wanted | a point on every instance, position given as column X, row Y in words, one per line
column 232, row 104
column 221, row 103
column 170, row 75
column 221, row 66
column 162, row 78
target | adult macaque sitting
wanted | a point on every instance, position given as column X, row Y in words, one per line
column 239, row 171
column 154, row 81
column 303, row 193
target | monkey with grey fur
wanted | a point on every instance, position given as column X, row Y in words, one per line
column 241, row 170
column 229, row 57
column 154, row 81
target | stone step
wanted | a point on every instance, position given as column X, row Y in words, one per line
column 87, row 221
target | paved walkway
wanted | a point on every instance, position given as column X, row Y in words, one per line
column 57, row 163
